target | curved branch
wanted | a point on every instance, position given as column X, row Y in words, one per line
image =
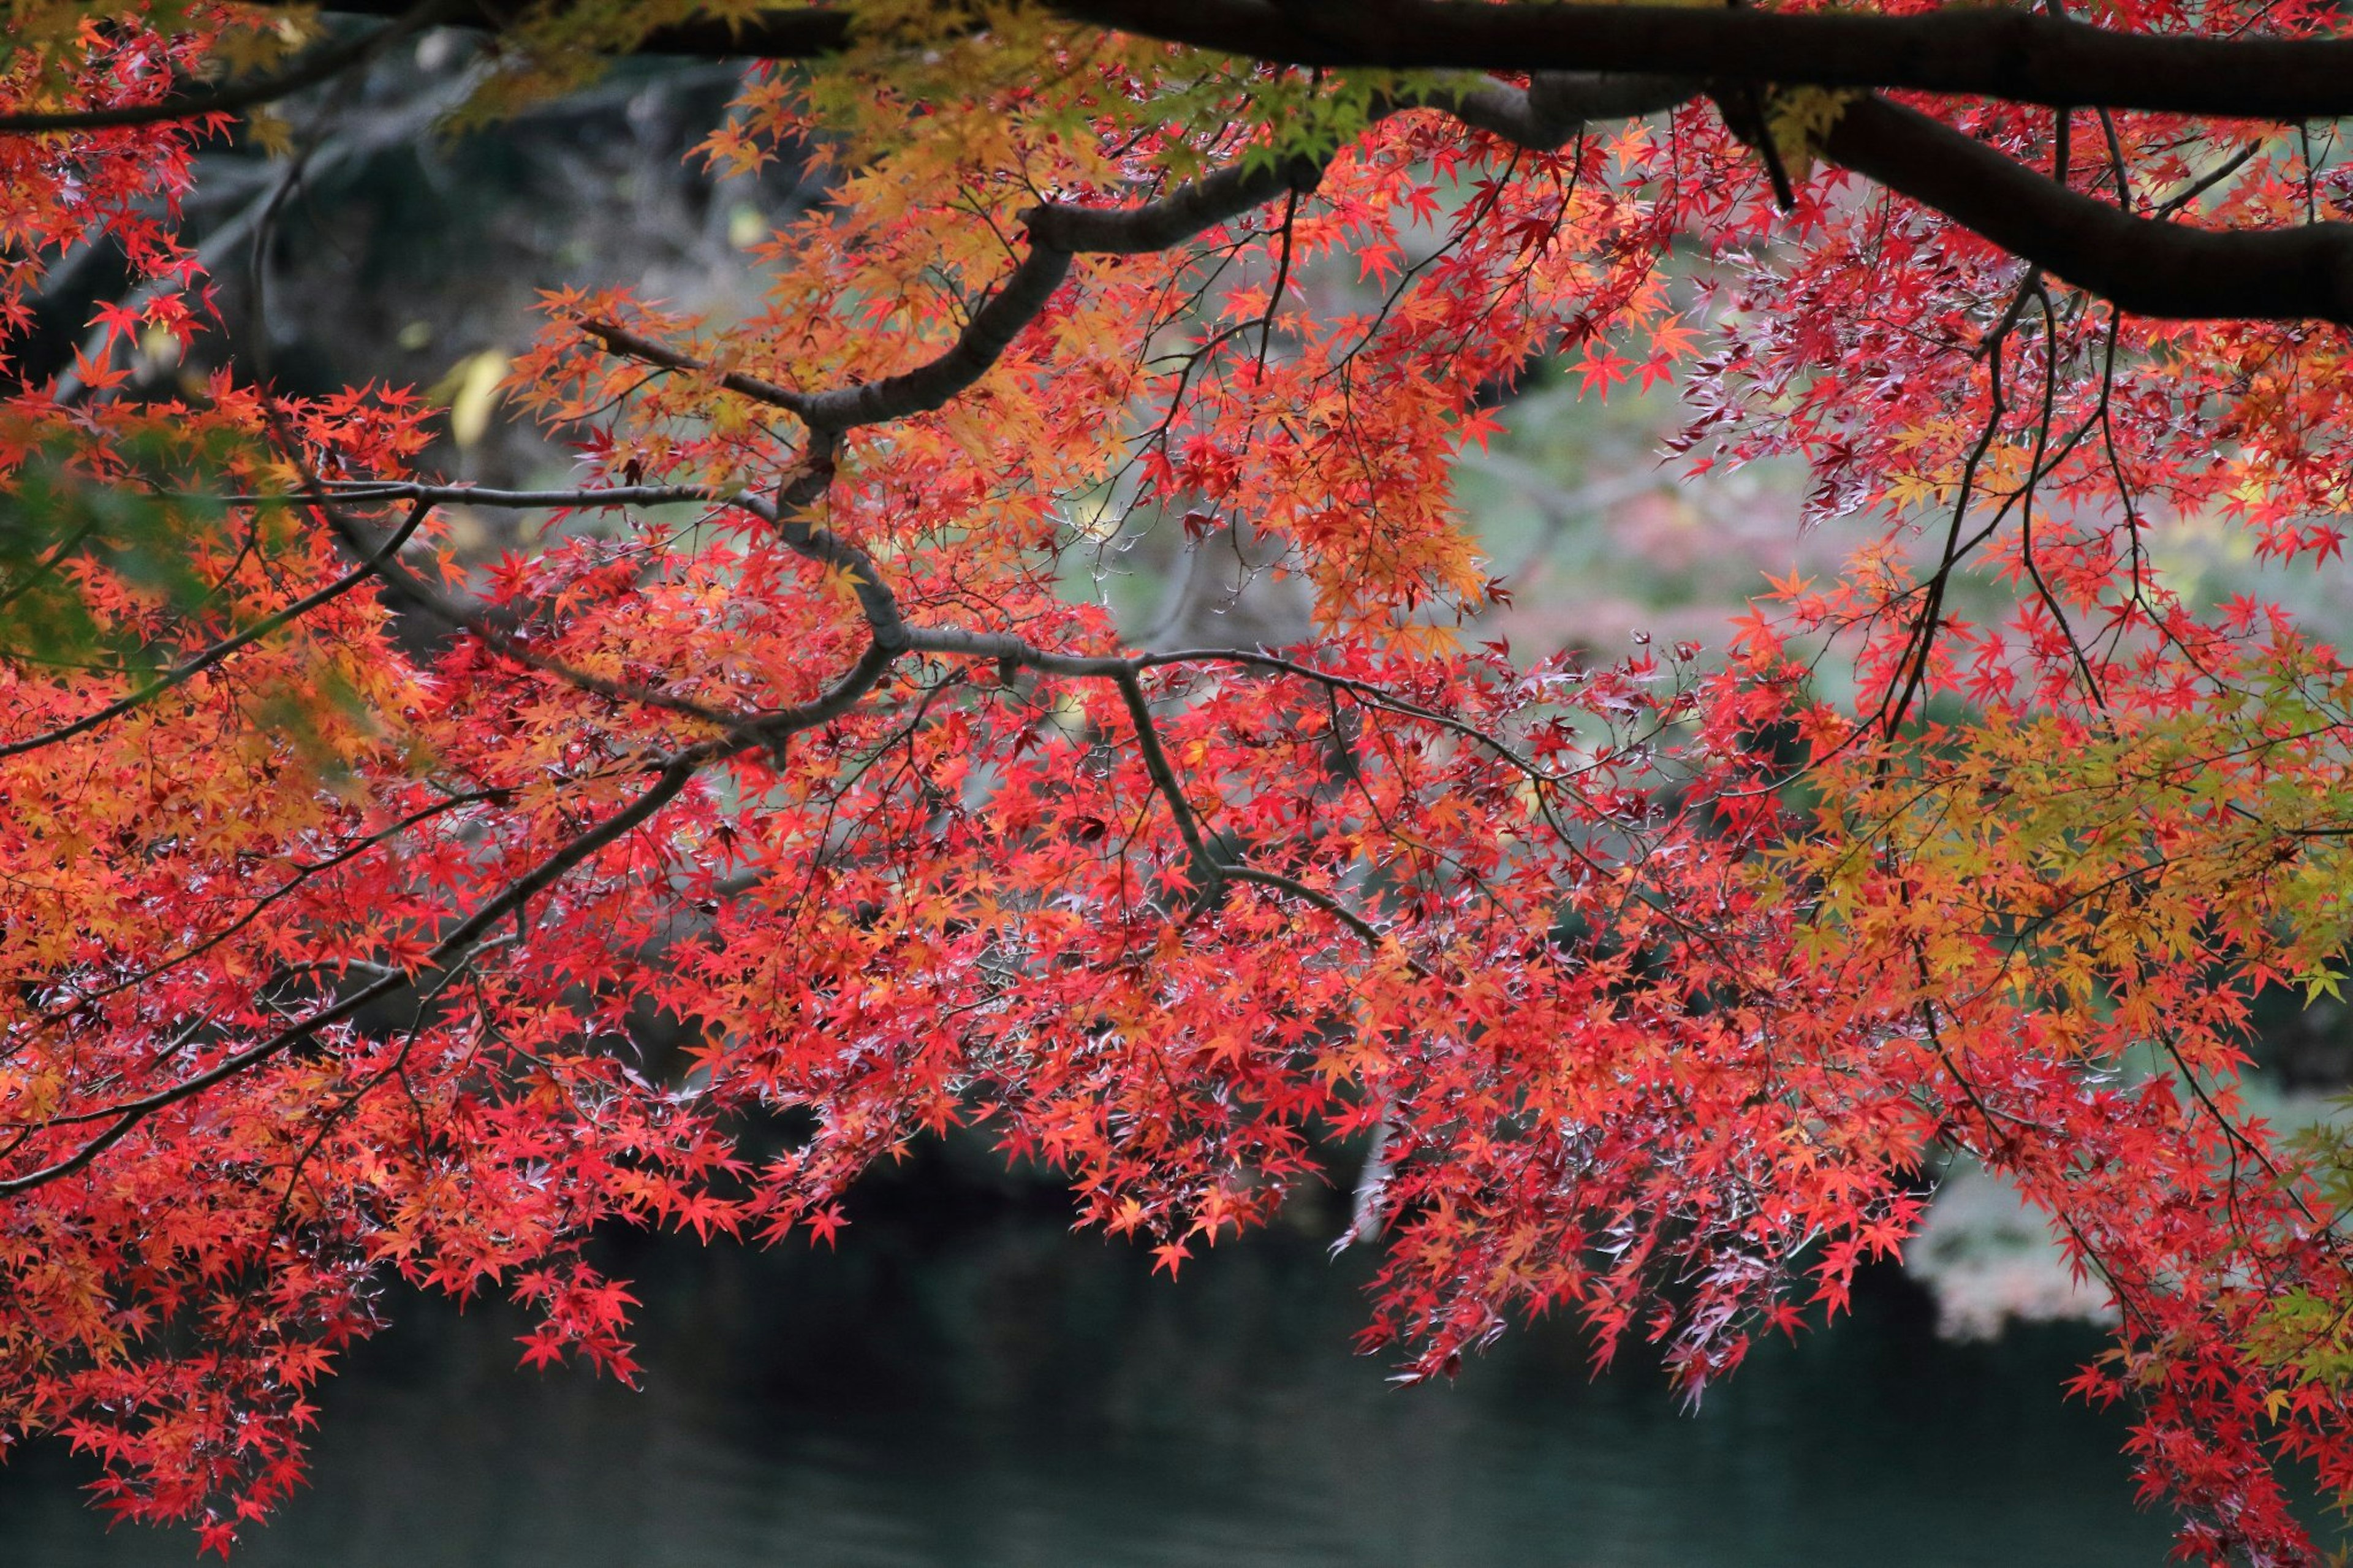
column 2144, row 266
column 674, row 773
column 1059, row 232
column 1007, row 648
column 407, row 587
column 812, row 540
column 303, row 873
column 1174, row 218
column 1018, row 301
column 628, row 344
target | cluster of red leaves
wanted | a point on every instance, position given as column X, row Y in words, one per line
column 1652, row 986
column 117, row 187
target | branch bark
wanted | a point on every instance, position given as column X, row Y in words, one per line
column 669, row 780
column 2021, row 55
column 2025, row 57
column 2144, row 266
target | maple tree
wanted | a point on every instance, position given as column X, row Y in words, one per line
column 1645, row 990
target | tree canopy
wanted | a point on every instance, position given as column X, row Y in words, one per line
column 345, row 870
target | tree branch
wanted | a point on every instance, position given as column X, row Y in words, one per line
column 1057, row 233
column 805, row 538
column 787, row 32
column 630, row 345
column 1209, row 873
column 674, row 773
column 1992, row 52
column 2144, row 266
column 1017, row 302
column 1555, row 105
column 2022, row 56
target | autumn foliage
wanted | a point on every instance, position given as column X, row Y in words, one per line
column 1642, row 988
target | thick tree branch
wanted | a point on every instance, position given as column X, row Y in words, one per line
column 2144, row 266
column 1174, row 218
column 1017, row 302
column 1992, row 52
column 786, row 33
column 1555, row 105
column 1057, row 233
column 2022, row 56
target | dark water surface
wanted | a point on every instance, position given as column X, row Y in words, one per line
column 987, row 1389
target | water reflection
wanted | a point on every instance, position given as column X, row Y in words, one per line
column 979, row 1387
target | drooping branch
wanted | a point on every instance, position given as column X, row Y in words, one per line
column 407, row 588
column 672, row 775
column 1208, row 874
column 2144, row 266
column 631, row 345
column 302, row 874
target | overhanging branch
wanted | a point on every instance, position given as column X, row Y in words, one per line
column 1993, row 52
column 2143, row 266
column 1989, row 52
column 2018, row 56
